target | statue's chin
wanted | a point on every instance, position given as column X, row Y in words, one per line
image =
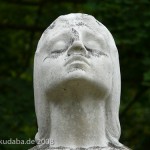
column 77, row 74
column 78, row 82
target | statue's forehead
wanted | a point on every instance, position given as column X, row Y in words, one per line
column 71, row 21
column 73, row 32
column 73, row 27
column 75, row 19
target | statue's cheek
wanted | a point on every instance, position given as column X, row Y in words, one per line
column 102, row 71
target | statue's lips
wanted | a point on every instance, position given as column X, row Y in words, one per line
column 77, row 59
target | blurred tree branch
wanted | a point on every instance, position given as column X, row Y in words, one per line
column 21, row 27
column 141, row 91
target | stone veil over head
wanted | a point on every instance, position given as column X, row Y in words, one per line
column 77, row 84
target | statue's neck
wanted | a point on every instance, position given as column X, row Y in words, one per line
column 77, row 121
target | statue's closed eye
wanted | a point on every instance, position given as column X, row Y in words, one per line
column 95, row 52
column 95, row 48
column 56, row 53
column 58, row 48
column 92, row 48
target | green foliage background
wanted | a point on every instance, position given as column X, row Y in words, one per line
column 22, row 23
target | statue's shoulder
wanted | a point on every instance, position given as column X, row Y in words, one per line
column 45, row 147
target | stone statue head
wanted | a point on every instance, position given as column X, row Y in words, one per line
column 95, row 60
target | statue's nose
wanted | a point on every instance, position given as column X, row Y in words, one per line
column 77, row 48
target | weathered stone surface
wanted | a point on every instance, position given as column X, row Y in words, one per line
column 77, row 85
column 91, row 148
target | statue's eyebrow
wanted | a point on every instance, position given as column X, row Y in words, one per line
column 99, row 37
column 73, row 35
column 50, row 40
column 57, row 35
column 95, row 33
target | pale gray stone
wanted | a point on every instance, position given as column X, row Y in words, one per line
column 67, row 148
column 77, row 85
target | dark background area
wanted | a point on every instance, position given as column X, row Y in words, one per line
column 21, row 25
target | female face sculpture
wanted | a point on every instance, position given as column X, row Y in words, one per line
column 77, row 50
